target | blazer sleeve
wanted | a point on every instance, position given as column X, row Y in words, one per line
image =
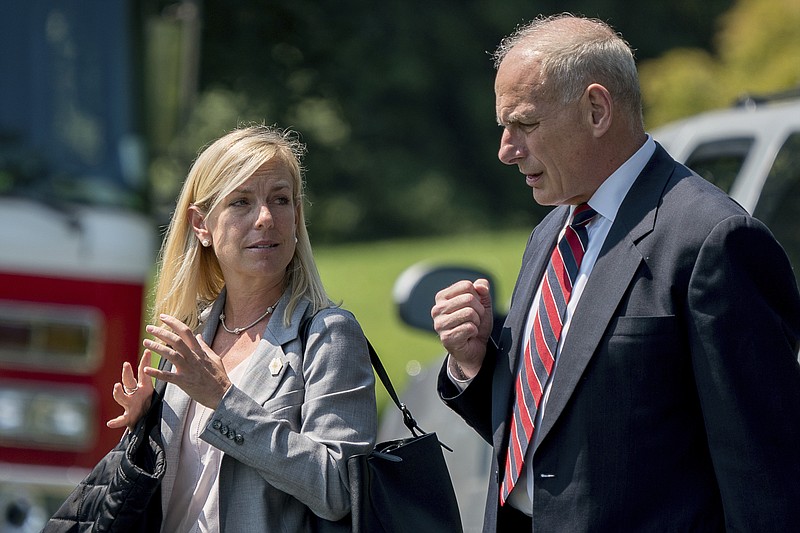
column 744, row 328
column 299, row 442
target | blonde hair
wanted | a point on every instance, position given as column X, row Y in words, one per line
column 190, row 277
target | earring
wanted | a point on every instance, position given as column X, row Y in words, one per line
column 206, row 243
column 295, row 240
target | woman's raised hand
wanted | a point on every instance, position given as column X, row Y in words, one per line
column 196, row 368
column 133, row 393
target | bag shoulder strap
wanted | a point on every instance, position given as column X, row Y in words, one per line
column 408, row 418
column 161, row 385
column 158, row 388
column 380, row 370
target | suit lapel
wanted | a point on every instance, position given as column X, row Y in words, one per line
column 534, row 261
column 611, row 276
column 265, row 368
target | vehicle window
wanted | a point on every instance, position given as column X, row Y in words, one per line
column 720, row 161
column 66, row 121
column 779, row 201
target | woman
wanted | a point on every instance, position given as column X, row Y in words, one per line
column 258, row 419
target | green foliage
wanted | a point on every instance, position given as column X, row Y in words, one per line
column 765, row 55
column 395, row 101
column 362, row 277
column 680, row 83
column 756, row 51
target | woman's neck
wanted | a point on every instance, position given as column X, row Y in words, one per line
column 244, row 304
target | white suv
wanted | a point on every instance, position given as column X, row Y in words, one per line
column 752, row 152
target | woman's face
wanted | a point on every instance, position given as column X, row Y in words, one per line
column 252, row 230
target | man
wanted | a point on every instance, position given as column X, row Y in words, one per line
column 646, row 376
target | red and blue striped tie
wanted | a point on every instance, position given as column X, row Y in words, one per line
column 540, row 350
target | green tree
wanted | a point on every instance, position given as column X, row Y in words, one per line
column 394, row 100
column 756, row 51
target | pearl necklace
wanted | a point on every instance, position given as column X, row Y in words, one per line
column 238, row 331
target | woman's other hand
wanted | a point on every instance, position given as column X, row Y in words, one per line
column 133, row 393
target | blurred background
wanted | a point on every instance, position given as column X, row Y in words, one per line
column 395, row 102
column 104, row 104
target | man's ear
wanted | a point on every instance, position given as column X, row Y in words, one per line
column 601, row 108
column 198, row 222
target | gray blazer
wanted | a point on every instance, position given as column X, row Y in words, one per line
column 288, row 431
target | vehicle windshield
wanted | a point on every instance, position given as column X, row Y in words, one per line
column 67, row 126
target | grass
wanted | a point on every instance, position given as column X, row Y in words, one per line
column 362, row 277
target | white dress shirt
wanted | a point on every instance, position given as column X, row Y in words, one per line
column 606, row 201
column 194, row 505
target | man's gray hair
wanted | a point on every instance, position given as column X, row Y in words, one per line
column 576, row 52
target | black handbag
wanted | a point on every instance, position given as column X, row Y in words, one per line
column 403, row 486
column 122, row 492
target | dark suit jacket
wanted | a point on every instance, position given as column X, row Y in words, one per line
column 676, row 402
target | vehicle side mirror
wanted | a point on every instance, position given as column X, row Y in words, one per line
column 415, row 290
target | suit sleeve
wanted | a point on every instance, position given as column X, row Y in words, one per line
column 337, row 418
column 474, row 403
column 744, row 314
column 483, row 395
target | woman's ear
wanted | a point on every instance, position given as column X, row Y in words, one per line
column 198, row 222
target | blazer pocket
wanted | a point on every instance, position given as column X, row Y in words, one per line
column 643, row 326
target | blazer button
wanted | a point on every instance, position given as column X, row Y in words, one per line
column 216, row 424
column 224, row 430
column 239, row 439
column 231, row 434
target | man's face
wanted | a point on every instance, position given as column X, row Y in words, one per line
column 546, row 139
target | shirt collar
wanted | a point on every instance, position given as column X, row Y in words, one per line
column 608, row 197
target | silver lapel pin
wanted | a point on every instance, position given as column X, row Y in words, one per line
column 275, row 366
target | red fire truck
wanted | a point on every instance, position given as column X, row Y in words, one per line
column 76, row 245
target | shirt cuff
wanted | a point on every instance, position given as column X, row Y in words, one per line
column 461, row 384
